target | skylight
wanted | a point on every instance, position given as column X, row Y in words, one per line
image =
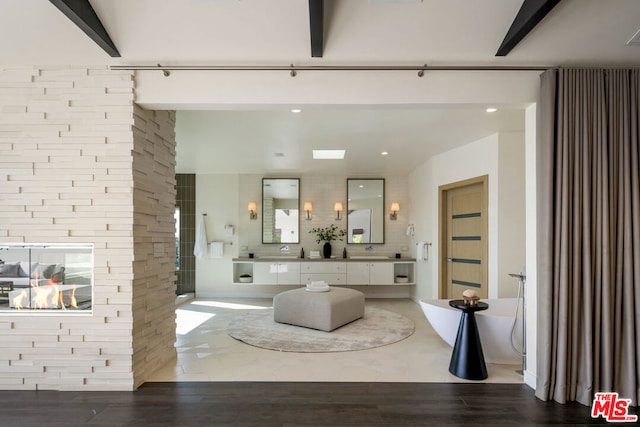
column 328, row 154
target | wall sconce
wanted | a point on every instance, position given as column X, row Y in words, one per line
column 252, row 210
column 308, row 207
column 338, row 208
column 395, row 207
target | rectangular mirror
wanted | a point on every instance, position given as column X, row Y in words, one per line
column 365, row 210
column 280, row 210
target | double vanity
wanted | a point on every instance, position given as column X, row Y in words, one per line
column 356, row 271
column 365, row 225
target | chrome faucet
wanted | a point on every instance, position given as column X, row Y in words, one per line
column 369, row 248
column 284, row 248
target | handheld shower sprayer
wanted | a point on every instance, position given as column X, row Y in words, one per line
column 521, row 276
column 521, row 281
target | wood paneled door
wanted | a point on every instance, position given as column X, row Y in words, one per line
column 463, row 237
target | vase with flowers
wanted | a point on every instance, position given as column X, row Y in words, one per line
column 327, row 234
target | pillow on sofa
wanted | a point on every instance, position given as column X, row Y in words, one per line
column 9, row 270
column 57, row 275
column 26, row 269
column 42, row 271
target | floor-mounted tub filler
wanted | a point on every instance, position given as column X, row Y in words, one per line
column 495, row 327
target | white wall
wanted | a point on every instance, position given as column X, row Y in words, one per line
column 217, row 196
column 422, row 215
column 205, row 90
column 502, row 158
column 531, row 252
column 511, row 211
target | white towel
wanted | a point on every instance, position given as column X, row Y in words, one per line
column 411, row 230
column 317, row 285
column 320, row 283
column 200, row 247
column 216, row 249
column 420, row 253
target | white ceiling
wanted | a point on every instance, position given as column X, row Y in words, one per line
column 356, row 31
column 276, row 32
column 282, row 141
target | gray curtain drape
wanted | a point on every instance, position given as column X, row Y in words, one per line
column 589, row 235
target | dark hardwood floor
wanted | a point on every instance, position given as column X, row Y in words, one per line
column 291, row 404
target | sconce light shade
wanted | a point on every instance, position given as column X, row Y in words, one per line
column 395, row 207
column 308, row 207
column 252, row 210
column 338, row 208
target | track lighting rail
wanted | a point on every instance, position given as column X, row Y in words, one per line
column 294, row 69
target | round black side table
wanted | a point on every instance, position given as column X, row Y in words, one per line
column 467, row 360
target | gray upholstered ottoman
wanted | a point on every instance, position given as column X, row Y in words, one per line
column 318, row 310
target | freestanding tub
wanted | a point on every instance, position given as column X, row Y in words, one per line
column 494, row 327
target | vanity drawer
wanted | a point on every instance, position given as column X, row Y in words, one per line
column 324, row 267
column 330, row 278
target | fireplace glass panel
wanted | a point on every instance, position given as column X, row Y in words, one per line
column 46, row 278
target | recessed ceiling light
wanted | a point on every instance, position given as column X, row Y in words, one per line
column 296, row 110
column 384, row 153
column 328, row 154
column 491, row 110
column 278, row 154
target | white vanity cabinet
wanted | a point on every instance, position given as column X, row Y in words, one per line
column 370, row 273
column 276, row 273
column 332, row 272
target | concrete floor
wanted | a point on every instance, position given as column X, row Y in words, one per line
column 207, row 353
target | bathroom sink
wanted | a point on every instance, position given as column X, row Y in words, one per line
column 278, row 257
column 368, row 257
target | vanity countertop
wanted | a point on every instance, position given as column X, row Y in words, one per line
column 276, row 258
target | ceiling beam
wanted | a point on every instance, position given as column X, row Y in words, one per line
column 530, row 14
column 81, row 13
column 316, row 26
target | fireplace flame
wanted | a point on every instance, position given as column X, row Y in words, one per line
column 17, row 300
column 43, row 297
column 72, row 298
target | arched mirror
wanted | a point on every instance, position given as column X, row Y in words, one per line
column 365, row 210
column 280, row 210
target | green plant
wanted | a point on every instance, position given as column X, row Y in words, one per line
column 328, row 234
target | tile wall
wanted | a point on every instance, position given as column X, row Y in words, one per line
column 186, row 201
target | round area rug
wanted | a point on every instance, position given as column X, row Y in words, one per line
column 377, row 328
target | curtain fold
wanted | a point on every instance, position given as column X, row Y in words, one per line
column 589, row 234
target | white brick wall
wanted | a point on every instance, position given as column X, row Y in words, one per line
column 74, row 169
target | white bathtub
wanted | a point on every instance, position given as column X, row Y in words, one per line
column 494, row 327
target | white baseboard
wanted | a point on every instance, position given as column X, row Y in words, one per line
column 530, row 379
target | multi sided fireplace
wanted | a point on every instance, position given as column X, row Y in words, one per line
column 46, row 277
